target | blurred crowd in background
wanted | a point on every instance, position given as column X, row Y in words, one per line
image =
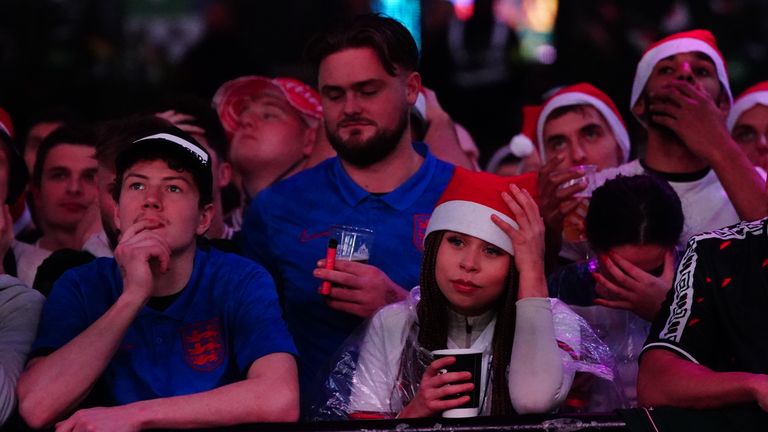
column 485, row 59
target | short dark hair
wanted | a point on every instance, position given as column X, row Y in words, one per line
column 177, row 158
column 57, row 113
column 75, row 134
column 204, row 117
column 642, row 209
column 393, row 43
column 114, row 136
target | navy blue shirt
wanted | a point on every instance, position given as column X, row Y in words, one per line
column 226, row 318
column 286, row 228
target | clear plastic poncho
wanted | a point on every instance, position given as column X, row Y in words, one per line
column 366, row 379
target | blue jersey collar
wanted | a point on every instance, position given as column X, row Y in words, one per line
column 177, row 310
column 402, row 197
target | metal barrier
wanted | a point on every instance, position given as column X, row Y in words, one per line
column 552, row 423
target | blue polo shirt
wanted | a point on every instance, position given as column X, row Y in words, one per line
column 286, row 228
column 227, row 317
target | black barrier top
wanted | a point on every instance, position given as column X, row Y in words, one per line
column 553, row 423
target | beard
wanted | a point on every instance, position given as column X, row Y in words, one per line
column 364, row 153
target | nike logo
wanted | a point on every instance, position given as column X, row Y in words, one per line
column 305, row 236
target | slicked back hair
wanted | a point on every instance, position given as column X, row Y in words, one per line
column 79, row 135
column 392, row 42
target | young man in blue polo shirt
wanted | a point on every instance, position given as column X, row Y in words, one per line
column 380, row 180
column 178, row 336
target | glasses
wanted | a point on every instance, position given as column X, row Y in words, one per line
column 748, row 135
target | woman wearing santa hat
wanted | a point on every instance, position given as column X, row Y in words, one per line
column 482, row 287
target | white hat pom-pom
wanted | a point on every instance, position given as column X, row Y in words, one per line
column 521, row 146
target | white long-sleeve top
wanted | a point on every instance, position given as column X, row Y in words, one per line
column 539, row 373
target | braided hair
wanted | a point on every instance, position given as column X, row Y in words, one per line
column 432, row 331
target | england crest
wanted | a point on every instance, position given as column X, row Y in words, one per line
column 203, row 345
column 420, row 222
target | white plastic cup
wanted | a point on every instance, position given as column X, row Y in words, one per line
column 354, row 243
column 588, row 178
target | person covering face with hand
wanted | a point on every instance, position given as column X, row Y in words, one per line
column 633, row 225
column 681, row 95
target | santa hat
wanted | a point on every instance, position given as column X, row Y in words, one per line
column 6, row 126
column 470, row 199
column 233, row 97
column 585, row 94
column 755, row 95
column 17, row 168
column 695, row 40
column 522, row 144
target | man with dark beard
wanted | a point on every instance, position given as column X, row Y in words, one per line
column 681, row 96
column 380, row 180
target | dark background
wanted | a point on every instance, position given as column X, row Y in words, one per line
column 98, row 59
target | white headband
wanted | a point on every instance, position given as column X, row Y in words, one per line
column 201, row 155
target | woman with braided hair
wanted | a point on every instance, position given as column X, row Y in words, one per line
column 482, row 287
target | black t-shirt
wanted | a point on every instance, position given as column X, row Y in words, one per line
column 717, row 312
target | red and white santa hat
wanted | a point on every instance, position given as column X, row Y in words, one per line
column 233, row 97
column 755, row 95
column 6, row 125
column 695, row 40
column 470, row 199
column 522, row 144
column 585, row 94
column 17, row 169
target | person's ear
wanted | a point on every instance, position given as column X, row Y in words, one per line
column 206, row 217
column 412, row 87
column 116, row 217
column 639, row 108
column 225, row 173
